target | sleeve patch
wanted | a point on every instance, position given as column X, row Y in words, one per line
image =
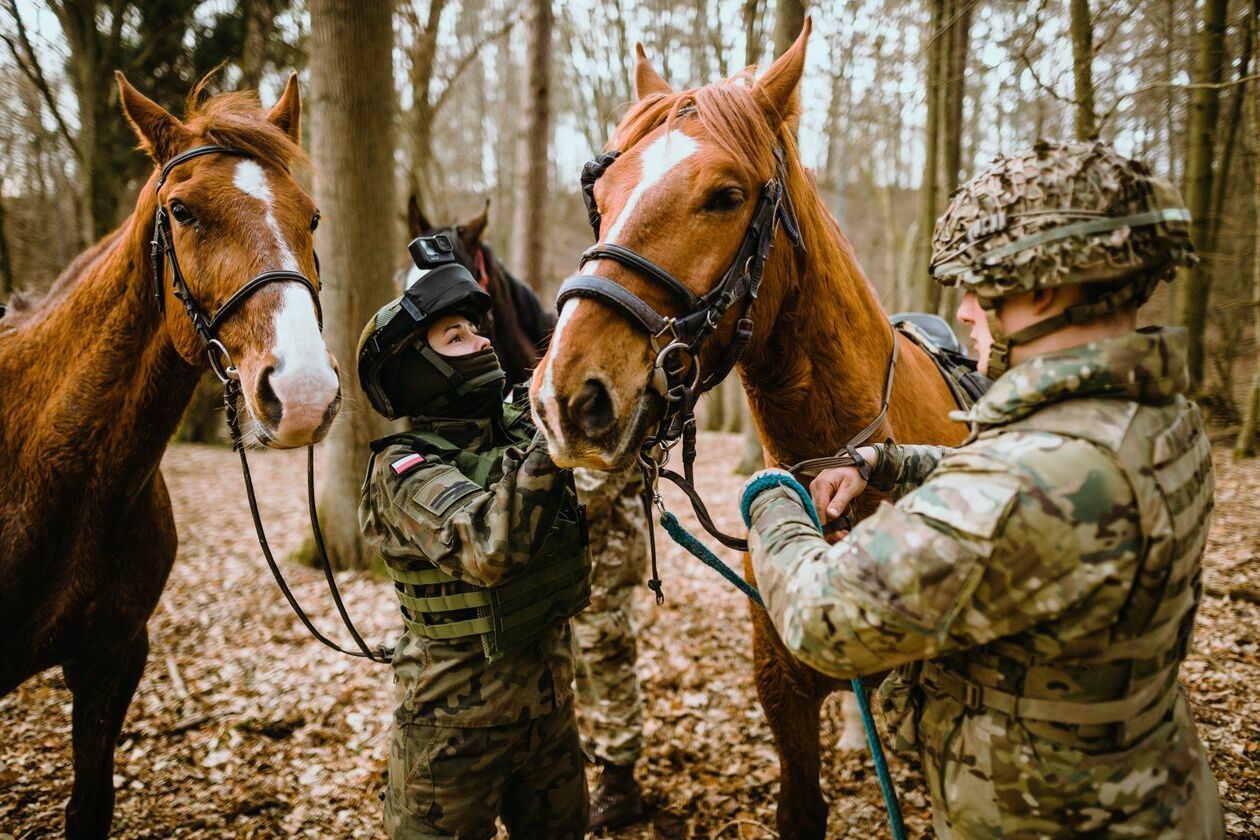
column 407, row 464
column 972, row 503
column 437, row 497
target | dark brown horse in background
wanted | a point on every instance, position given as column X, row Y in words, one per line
column 692, row 167
column 95, row 377
column 519, row 327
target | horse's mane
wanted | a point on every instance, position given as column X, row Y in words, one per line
column 733, row 117
column 238, row 120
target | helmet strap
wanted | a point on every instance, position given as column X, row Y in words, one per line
column 1081, row 313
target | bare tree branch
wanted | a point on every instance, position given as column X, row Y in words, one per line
column 469, row 57
column 31, row 69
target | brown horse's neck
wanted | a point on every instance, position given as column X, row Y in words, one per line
column 815, row 371
column 101, row 377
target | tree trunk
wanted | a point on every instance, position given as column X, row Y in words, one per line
column 955, row 84
column 352, row 149
column 1194, row 286
column 260, row 18
column 754, row 456
column 1083, row 69
column 752, row 47
column 423, row 59
column 1221, row 182
column 1245, row 446
column 6, row 263
column 532, row 158
column 929, row 296
column 789, row 18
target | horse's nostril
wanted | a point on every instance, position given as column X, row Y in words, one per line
column 270, row 404
column 593, row 408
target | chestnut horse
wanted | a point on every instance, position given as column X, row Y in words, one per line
column 96, row 376
column 682, row 194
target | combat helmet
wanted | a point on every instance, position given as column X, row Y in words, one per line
column 394, row 353
column 1055, row 215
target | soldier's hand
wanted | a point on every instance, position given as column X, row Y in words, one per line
column 832, row 490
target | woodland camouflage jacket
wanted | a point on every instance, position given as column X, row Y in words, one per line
column 1048, row 570
column 434, row 515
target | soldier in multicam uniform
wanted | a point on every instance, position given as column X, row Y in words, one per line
column 487, row 546
column 1035, row 588
column 610, row 707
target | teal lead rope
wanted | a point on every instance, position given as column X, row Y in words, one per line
column 680, row 535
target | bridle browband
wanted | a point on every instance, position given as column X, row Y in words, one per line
column 162, row 252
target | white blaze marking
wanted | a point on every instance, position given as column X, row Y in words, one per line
column 304, row 376
column 655, row 162
column 547, row 393
column 251, row 180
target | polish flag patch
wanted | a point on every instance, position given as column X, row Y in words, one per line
column 407, row 463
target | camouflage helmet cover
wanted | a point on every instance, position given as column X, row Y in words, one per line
column 1060, row 214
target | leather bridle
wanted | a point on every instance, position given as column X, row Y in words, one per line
column 162, row 253
column 677, row 340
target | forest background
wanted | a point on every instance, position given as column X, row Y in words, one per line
column 503, row 100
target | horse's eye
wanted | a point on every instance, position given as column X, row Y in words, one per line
column 181, row 214
column 314, row 221
column 727, row 198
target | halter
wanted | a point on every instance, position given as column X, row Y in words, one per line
column 161, row 252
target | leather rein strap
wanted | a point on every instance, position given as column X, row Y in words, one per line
column 161, row 252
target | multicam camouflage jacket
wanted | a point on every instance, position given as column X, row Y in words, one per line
column 434, row 515
column 1036, row 592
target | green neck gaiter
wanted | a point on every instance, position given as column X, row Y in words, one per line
column 421, row 382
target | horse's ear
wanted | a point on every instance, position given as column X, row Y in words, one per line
column 472, row 230
column 779, row 90
column 417, row 224
column 646, row 80
column 286, row 115
column 161, row 134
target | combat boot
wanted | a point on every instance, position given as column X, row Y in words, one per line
column 616, row 800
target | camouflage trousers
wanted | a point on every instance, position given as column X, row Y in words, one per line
column 610, row 705
column 451, row 783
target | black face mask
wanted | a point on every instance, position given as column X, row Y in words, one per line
column 421, row 382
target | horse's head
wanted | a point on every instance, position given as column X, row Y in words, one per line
column 233, row 216
column 465, row 237
column 692, row 170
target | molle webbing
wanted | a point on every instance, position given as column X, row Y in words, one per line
column 1132, row 666
column 555, row 586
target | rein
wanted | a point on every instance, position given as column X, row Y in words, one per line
column 162, row 252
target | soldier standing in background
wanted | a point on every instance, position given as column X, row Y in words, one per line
column 1035, row 588
column 609, row 702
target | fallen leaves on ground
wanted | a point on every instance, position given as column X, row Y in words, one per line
column 244, row 726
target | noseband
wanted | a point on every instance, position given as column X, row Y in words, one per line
column 162, row 250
